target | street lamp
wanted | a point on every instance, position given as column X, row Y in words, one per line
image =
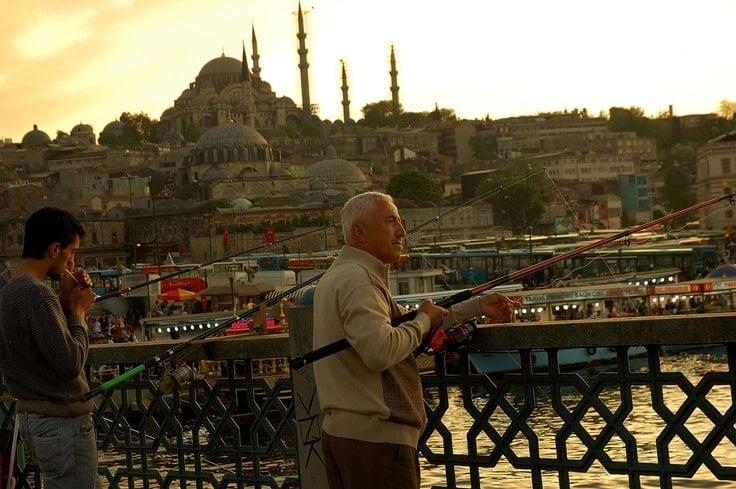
column 132, row 223
column 155, row 223
column 528, row 217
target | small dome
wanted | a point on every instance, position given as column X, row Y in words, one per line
column 221, row 66
column 114, row 128
column 36, row 136
column 335, row 170
column 67, row 141
column 278, row 170
column 231, row 134
column 241, row 203
column 215, row 173
column 172, row 136
column 81, row 129
column 248, row 172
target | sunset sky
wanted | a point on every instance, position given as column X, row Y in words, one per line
column 78, row 61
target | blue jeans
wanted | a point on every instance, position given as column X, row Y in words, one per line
column 65, row 449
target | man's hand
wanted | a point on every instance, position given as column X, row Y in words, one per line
column 436, row 313
column 497, row 307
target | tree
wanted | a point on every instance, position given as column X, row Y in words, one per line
column 515, row 193
column 137, row 128
column 192, row 133
column 415, row 186
column 677, row 192
column 143, row 128
column 378, row 114
column 727, row 109
column 189, row 191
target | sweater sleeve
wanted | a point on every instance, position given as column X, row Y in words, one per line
column 462, row 311
column 62, row 341
column 367, row 324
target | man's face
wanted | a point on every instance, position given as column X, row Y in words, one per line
column 384, row 233
column 64, row 259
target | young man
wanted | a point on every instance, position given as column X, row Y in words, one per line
column 43, row 351
column 371, row 393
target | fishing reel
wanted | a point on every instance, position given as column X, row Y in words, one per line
column 451, row 339
column 176, row 379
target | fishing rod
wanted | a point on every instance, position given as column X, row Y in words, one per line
column 439, row 217
column 342, row 344
column 125, row 290
column 154, row 361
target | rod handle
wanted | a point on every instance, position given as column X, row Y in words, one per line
column 321, row 352
column 114, row 381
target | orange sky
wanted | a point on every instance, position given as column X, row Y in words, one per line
column 79, row 61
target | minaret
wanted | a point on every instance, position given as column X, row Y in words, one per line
column 303, row 64
column 394, row 84
column 246, row 81
column 256, row 56
column 244, row 71
column 345, row 99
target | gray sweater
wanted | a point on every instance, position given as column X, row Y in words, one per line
column 42, row 352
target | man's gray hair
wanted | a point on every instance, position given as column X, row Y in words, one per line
column 359, row 208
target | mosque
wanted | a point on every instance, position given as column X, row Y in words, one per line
column 234, row 106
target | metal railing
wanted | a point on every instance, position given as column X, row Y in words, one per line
column 238, row 419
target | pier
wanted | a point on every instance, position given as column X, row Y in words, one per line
column 227, row 412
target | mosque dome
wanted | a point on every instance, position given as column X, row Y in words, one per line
column 36, row 136
column 231, row 134
column 334, row 170
column 224, row 65
column 231, row 142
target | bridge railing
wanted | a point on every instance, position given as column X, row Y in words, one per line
column 227, row 413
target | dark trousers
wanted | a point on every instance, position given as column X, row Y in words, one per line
column 354, row 464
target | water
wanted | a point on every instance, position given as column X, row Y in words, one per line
column 643, row 423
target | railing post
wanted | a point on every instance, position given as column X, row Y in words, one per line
column 306, row 404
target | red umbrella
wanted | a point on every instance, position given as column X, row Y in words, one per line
column 179, row 295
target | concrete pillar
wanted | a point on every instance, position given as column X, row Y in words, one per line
column 306, row 404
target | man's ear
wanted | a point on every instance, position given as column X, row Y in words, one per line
column 54, row 249
column 358, row 232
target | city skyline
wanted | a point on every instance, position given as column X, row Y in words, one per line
column 89, row 63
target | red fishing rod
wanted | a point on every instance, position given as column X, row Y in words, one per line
column 342, row 344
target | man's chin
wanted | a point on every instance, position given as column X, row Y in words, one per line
column 54, row 274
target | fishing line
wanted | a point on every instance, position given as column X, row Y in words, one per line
column 125, row 290
column 469, row 203
column 157, row 360
column 339, row 345
column 169, row 353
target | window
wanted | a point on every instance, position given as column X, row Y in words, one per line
column 403, row 287
column 725, row 166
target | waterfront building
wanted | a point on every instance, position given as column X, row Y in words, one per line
column 716, row 175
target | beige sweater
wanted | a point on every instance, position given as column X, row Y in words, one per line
column 371, row 391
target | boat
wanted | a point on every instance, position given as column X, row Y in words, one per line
column 711, row 294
